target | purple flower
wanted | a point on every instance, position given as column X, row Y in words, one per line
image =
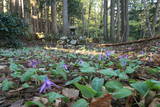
column 81, row 62
column 142, row 52
column 123, row 57
column 65, row 66
column 33, row 63
column 100, row 57
column 47, row 85
column 123, row 63
column 108, row 53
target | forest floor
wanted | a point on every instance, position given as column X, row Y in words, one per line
column 118, row 76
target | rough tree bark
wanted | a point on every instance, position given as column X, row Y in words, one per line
column 146, row 12
column 118, row 33
column 124, row 20
column 65, row 17
column 105, row 20
column 155, row 17
column 112, row 25
column 54, row 18
column 1, row 6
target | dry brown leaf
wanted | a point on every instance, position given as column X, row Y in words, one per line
column 155, row 102
column 70, row 93
column 17, row 103
column 102, row 102
column 43, row 100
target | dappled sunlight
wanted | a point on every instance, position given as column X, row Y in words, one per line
column 75, row 51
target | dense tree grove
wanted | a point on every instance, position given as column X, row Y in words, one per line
column 110, row 20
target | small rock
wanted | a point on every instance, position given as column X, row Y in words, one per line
column 73, row 42
column 64, row 37
column 2, row 67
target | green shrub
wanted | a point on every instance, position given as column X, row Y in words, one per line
column 12, row 29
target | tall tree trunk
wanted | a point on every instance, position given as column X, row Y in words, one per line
column 1, row 6
column 27, row 14
column 89, row 10
column 118, row 33
column 12, row 6
column 83, row 22
column 20, row 8
column 16, row 6
column 53, row 15
column 22, row 1
column 125, row 38
column 105, row 20
column 148, row 24
column 65, row 17
column 155, row 17
column 124, row 20
column 89, row 14
column 112, row 24
column 4, row 6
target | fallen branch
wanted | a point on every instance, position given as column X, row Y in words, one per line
column 128, row 43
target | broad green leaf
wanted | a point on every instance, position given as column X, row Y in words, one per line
column 52, row 96
column 6, row 85
column 153, row 84
column 27, row 75
column 97, row 83
column 108, row 72
column 15, row 67
column 113, row 85
column 60, row 72
column 87, row 69
column 122, row 93
column 80, row 103
column 129, row 70
column 34, row 103
column 154, row 70
column 39, row 77
column 77, row 79
column 86, row 91
column 123, row 76
column 25, row 85
column 141, row 87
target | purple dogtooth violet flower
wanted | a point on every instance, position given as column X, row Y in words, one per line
column 108, row 53
column 47, row 84
column 33, row 63
column 100, row 57
column 123, row 57
column 81, row 61
column 65, row 66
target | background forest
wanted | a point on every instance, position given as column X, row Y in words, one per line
column 79, row 53
column 103, row 20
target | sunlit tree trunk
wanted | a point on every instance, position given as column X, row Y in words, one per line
column 4, row 6
column 65, row 17
column 53, row 15
column 22, row 8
